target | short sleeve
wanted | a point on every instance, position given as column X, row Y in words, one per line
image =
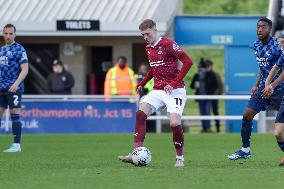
column 173, row 48
column 280, row 61
column 24, row 57
column 276, row 49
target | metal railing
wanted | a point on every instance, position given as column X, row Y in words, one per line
column 261, row 117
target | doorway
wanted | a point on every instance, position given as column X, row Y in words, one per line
column 101, row 62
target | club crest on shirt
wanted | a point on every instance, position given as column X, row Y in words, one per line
column 268, row 53
column 160, row 50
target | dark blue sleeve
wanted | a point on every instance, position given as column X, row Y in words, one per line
column 280, row 61
column 23, row 56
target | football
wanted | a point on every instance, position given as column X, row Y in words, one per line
column 141, row 156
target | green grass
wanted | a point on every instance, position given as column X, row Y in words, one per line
column 89, row 161
column 225, row 7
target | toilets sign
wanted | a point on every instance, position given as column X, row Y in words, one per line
column 78, row 25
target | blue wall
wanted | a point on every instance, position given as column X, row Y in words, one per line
column 236, row 34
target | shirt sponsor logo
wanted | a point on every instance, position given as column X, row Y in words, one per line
column 4, row 60
column 157, row 63
column 262, row 61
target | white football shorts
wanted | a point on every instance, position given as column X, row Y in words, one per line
column 174, row 102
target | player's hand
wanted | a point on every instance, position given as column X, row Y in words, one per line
column 168, row 89
column 253, row 90
column 13, row 88
column 139, row 88
column 267, row 91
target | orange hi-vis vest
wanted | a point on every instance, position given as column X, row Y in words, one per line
column 120, row 82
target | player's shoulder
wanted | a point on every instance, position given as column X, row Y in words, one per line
column 19, row 46
column 274, row 42
column 166, row 40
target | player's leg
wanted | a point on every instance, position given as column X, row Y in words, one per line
column 279, row 129
column 246, row 130
column 178, row 138
column 148, row 104
column 14, row 102
column 140, row 124
column 255, row 105
column 140, row 129
column 247, row 127
column 175, row 104
column 279, row 135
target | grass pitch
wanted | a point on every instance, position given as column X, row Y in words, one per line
column 90, row 161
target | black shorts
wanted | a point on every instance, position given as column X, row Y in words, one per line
column 11, row 100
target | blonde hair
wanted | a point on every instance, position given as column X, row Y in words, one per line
column 148, row 23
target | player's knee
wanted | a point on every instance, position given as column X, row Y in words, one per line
column 174, row 123
column 141, row 115
column 15, row 111
column 247, row 116
column 279, row 135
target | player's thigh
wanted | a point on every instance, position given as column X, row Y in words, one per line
column 145, row 107
column 176, row 101
column 154, row 99
column 280, row 114
column 279, row 131
column 276, row 99
column 175, row 119
column 256, row 104
column 14, row 101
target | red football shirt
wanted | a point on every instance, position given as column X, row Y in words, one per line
column 163, row 59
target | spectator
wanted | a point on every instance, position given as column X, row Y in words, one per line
column 214, row 86
column 199, row 84
column 143, row 70
column 60, row 81
column 120, row 79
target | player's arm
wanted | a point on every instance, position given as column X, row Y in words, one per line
column 268, row 90
column 145, row 80
column 22, row 76
column 255, row 87
column 271, row 75
column 186, row 65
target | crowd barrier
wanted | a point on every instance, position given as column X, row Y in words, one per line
column 98, row 114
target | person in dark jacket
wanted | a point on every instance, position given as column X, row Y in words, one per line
column 60, row 81
column 214, row 86
column 199, row 83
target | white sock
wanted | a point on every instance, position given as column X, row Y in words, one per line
column 180, row 157
column 18, row 145
column 246, row 150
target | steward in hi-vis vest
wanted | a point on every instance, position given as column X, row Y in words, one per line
column 120, row 79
